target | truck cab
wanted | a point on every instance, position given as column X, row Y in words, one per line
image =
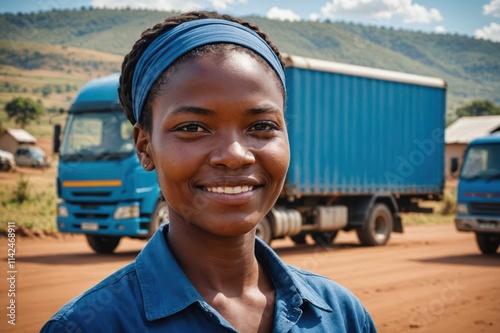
column 478, row 197
column 105, row 193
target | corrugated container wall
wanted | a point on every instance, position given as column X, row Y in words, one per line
column 358, row 135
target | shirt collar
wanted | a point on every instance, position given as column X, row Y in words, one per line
column 156, row 267
column 287, row 283
column 164, row 286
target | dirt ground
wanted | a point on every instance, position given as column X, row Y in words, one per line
column 429, row 279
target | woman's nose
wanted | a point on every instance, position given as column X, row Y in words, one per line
column 232, row 153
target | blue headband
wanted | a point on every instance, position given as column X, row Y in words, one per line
column 174, row 43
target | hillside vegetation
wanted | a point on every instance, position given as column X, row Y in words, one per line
column 50, row 73
column 471, row 67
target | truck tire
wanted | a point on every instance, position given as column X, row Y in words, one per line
column 264, row 231
column 487, row 243
column 160, row 216
column 103, row 244
column 5, row 166
column 299, row 239
column 324, row 238
column 378, row 230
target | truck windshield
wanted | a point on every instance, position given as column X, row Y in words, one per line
column 482, row 161
column 94, row 136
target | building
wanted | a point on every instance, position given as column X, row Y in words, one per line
column 12, row 138
column 462, row 131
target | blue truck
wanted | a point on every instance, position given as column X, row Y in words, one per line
column 478, row 194
column 105, row 192
column 366, row 144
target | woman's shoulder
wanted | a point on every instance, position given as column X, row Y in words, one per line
column 88, row 309
column 342, row 302
column 318, row 282
column 338, row 297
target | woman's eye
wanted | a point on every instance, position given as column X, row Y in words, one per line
column 192, row 128
column 265, row 126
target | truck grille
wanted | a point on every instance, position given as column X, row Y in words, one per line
column 485, row 208
column 91, row 216
column 91, row 194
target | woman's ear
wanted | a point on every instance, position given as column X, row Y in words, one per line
column 142, row 140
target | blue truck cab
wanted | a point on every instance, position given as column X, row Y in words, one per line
column 478, row 197
column 104, row 191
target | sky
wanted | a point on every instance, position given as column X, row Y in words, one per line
column 474, row 18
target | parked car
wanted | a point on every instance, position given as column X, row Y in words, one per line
column 7, row 161
column 31, row 156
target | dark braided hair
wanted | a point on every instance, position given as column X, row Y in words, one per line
column 149, row 35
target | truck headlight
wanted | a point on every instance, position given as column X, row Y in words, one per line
column 126, row 212
column 62, row 211
column 462, row 208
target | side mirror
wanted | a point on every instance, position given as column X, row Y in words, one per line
column 57, row 138
column 454, row 165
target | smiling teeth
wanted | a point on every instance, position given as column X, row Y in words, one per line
column 229, row 190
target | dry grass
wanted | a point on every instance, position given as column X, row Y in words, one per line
column 444, row 211
column 38, row 209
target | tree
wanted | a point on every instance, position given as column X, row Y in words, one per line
column 46, row 90
column 23, row 110
column 479, row 107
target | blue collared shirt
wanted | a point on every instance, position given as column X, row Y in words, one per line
column 152, row 294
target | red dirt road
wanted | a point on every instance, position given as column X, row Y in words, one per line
column 430, row 279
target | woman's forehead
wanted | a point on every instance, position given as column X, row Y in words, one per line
column 235, row 66
column 210, row 82
column 219, row 59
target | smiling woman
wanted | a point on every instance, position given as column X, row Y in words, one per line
column 220, row 125
column 206, row 94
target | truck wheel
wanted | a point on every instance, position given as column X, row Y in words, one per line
column 5, row 166
column 379, row 227
column 299, row 239
column 324, row 238
column 488, row 243
column 160, row 216
column 264, row 231
column 103, row 244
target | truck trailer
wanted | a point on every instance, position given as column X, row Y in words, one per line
column 366, row 144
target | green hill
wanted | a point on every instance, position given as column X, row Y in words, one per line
column 471, row 67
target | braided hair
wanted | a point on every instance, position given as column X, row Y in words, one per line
column 149, row 35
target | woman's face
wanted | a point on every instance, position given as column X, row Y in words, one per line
column 218, row 143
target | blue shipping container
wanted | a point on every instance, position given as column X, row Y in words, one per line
column 358, row 130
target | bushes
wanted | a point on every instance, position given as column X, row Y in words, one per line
column 20, row 194
column 449, row 203
column 28, row 206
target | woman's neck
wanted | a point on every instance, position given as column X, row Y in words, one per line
column 216, row 264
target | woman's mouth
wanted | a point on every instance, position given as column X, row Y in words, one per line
column 229, row 189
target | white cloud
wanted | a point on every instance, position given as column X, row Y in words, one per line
column 381, row 10
column 276, row 13
column 493, row 8
column 314, row 17
column 440, row 29
column 491, row 32
column 178, row 5
column 222, row 4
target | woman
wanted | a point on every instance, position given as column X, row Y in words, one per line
column 206, row 94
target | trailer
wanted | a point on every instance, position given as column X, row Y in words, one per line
column 366, row 144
